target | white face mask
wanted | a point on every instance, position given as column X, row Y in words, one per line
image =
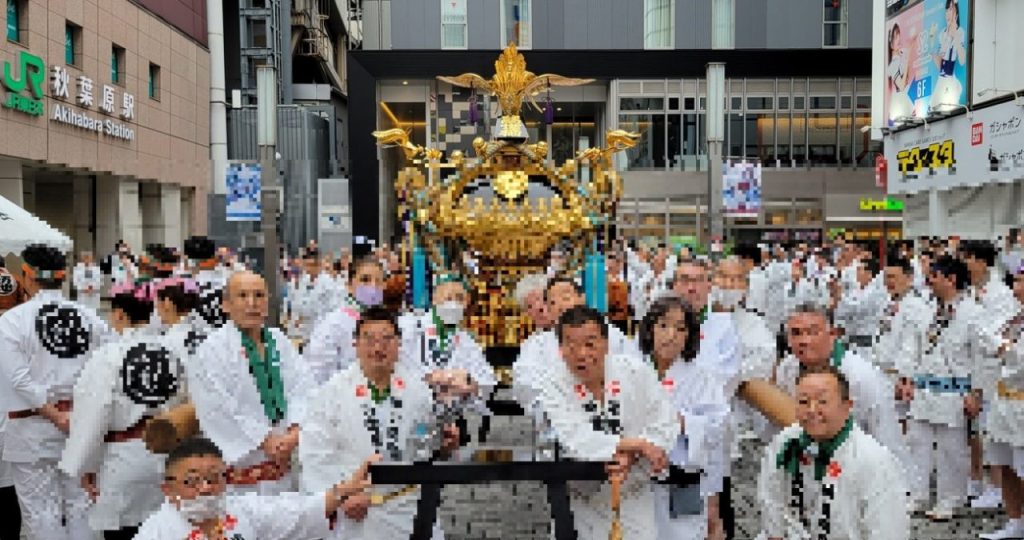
column 727, row 298
column 450, row 312
column 203, row 508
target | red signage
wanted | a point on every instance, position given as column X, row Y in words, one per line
column 977, row 133
column 881, row 171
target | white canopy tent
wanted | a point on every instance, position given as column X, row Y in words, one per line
column 19, row 228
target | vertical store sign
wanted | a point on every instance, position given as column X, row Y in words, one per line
column 244, row 183
column 927, row 50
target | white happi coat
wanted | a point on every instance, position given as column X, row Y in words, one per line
column 872, row 394
column 307, row 298
column 117, row 388
column 860, row 309
column 757, row 290
column 813, row 290
column 946, row 351
column 700, row 397
column 331, row 346
column 645, row 413
column 336, row 440
column 779, row 277
column 227, row 400
column 1006, row 417
column 419, row 339
column 869, row 493
column 33, row 374
column 289, row 516
column 903, row 328
column 998, row 307
column 539, row 358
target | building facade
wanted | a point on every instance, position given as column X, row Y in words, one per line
column 954, row 138
column 106, row 118
column 797, row 101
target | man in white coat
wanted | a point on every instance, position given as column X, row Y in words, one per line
column 45, row 343
column 197, row 507
column 249, row 388
column 536, row 361
column 861, row 306
column 88, row 280
column 608, row 407
column 939, row 387
column 373, row 406
column 812, row 342
column 1006, row 445
column 330, row 347
column 122, row 385
column 825, row 477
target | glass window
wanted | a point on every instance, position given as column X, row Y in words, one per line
column 823, row 102
column 453, row 24
column 822, row 132
column 154, row 81
column 518, row 23
column 14, row 13
column 845, row 103
column 798, row 134
column 659, row 27
column 759, row 103
column 649, row 152
column 689, row 103
column 117, row 65
column 782, row 127
column 846, row 154
column 734, row 135
column 736, row 104
column 70, row 44
column 258, row 33
column 723, row 22
column 835, row 16
column 691, row 140
column 641, row 104
column 760, row 136
column 864, row 102
column 798, row 103
column 675, row 142
column 783, row 103
column 673, row 104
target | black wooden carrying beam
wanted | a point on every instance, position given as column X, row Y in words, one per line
column 433, row 476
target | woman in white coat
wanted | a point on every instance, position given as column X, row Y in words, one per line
column 121, row 386
column 670, row 338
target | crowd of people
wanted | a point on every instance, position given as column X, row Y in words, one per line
column 856, row 377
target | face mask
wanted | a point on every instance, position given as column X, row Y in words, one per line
column 727, row 298
column 202, row 508
column 368, row 295
column 450, row 313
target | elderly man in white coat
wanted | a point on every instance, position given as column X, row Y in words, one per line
column 374, row 406
column 123, row 385
column 608, row 407
column 45, row 343
column 330, row 348
column 249, row 387
column 812, row 342
column 88, row 279
column 825, row 477
column 197, row 507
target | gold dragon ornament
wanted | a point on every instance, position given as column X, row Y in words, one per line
column 509, row 230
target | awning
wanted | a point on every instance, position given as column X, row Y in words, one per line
column 19, row 228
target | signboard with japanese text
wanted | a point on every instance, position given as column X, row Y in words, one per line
column 244, row 183
column 927, row 52
column 965, row 150
column 71, row 100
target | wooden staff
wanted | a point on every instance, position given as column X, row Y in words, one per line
column 776, row 405
column 616, row 531
column 166, row 431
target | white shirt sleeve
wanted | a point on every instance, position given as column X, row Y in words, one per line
column 15, row 364
column 288, row 516
column 90, row 418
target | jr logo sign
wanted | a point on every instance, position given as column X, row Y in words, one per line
column 30, row 73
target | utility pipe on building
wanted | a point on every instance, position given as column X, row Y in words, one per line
column 218, row 98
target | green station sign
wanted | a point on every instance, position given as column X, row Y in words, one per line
column 887, row 204
column 30, row 74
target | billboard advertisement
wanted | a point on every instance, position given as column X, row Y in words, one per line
column 244, row 189
column 927, row 46
column 965, row 150
column 741, row 189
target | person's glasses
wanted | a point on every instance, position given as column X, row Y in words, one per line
column 196, row 481
column 691, row 279
column 370, row 339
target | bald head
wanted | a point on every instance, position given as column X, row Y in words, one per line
column 245, row 300
column 731, row 274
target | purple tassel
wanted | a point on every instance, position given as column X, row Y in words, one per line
column 549, row 112
column 472, row 110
